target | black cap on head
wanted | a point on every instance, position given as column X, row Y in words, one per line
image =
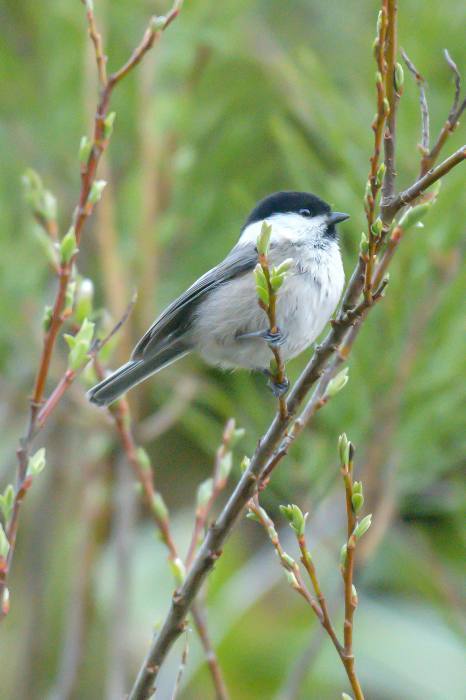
column 285, row 202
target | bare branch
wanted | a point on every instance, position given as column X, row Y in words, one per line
column 411, row 193
column 456, row 108
column 83, row 210
column 451, row 122
column 425, row 134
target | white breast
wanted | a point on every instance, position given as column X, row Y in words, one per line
column 305, row 304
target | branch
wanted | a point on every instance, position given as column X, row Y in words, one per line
column 425, row 134
column 393, row 91
column 91, row 152
column 142, row 469
column 451, row 122
column 417, row 188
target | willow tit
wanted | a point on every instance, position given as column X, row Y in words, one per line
column 219, row 317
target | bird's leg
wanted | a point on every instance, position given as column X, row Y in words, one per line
column 278, row 389
column 273, row 339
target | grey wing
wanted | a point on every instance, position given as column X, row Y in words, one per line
column 171, row 325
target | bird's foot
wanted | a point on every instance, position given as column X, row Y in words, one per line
column 274, row 339
column 278, row 389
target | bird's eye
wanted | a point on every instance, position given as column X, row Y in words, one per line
column 305, row 212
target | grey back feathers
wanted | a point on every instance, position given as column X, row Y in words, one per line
column 176, row 319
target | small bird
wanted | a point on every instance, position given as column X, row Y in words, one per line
column 219, row 317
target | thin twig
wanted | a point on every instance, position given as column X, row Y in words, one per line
column 96, row 39
column 392, row 95
column 374, row 181
column 181, row 669
column 425, row 132
column 451, row 122
column 82, row 212
column 157, row 510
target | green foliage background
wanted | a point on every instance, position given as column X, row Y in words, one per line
column 240, row 98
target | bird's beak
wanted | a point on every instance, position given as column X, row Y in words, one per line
column 336, row 217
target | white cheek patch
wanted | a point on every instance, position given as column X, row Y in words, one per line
column 292, row 227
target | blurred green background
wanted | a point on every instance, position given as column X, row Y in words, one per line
column 239, row 99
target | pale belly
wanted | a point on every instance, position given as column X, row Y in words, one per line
column 304, row 306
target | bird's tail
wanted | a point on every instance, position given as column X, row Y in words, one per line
column 130, row 374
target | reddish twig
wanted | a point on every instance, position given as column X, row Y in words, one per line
column 158, row 512
column 218, row 484
column 82, row 212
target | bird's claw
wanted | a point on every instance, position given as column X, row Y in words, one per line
column 278, row 389
column 274, row 339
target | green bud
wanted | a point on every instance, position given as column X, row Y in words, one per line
column 413, row 215
column 295, row 517
column 338, row 382
column 36, row 462
column 79, row 345
column 47, row 244
column 47, row 318
column 108, row 124
column 40, row 200
column 204, row 493
column 4, row 544
column 225, row 466
column 84, row 299
column 157, row 24
column 291, row 578
column 69, row 296
column 285, row 266
column 364, row 244
column 357, row 499
column 343, row 449
column 236, row 436
column 343, row 554
column 272, row 533
column 159, row 507
column 262, row 290
column 143, row 459
column 363, row 526
column 7, row 501
column 49, row 206
column 357, row 487
column 251, row 515
column 378, row 78
column 245, row 462
column 288, row 561
column 354, row 595
column 97, row 188
column 178, row 570
column 386, row 107
column 263, row 239
column 380, row 174
column 68, row 246
column 345, row 696
column 276, row 281
column 377, row 227
column 399, row 78
column 85, row 148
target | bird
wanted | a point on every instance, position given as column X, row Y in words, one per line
column 219, row 316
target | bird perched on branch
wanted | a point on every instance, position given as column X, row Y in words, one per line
column 219, row 316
